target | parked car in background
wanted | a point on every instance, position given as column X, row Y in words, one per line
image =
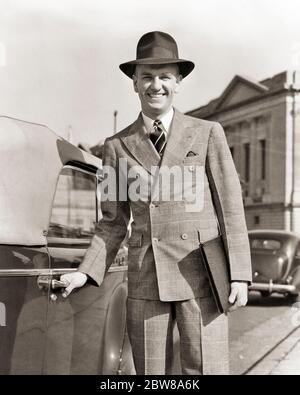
column 275, row 262
column 48, row 209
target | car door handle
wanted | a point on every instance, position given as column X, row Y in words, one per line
column 58, row 284
column 47, row 282
column 44, row 282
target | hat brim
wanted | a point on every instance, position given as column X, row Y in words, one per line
column 185, row 66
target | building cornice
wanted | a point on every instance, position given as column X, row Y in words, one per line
column 240, row 105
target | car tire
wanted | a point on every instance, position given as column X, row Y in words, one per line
column 294, row 298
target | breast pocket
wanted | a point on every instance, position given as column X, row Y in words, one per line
column 196, row 159
column 196, row 154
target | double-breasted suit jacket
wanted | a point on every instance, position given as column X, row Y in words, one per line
column 164, row 262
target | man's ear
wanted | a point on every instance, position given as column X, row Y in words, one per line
column 134, row 80
column 178, row 81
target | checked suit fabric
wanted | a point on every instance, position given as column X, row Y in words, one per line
column 166, row 279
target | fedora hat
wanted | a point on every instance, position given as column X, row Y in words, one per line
column 157, row 48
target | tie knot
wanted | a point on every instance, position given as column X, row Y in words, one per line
column 157, row 123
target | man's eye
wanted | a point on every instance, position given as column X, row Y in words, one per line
column 165, row 78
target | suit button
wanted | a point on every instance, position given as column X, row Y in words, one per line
column 191, row 168
column 155, row 239
column 152, row 205
column 184, row 236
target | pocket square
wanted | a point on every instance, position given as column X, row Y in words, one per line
column 191, row 153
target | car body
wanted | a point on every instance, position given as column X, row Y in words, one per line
column 275, row 262
column 48, row 209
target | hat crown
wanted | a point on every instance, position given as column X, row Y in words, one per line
column 157, row 45
column 157, row 48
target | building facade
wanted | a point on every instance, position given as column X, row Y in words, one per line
column 262, row 125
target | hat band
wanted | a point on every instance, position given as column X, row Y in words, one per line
column 157, row 52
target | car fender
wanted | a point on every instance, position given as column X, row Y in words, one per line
column 114, row 332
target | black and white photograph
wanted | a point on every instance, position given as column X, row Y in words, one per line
column 149, row 190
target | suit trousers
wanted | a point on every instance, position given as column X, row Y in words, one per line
column 203, row 336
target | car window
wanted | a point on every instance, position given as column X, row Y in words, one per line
column 265, row 244
column 298, row 252
column 74, row 206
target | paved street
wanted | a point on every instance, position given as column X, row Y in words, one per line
column 258, row 311
column 257, row 329
column 261, row 337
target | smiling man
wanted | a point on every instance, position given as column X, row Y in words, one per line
column 156, row 86
column 167, row 281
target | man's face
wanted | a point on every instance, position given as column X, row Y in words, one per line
column 156, row 86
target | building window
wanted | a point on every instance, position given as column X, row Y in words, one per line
column 262, row 144
column 256, row 220
column 247, row 161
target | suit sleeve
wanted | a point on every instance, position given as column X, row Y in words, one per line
column 227, row 197
column 111, row 229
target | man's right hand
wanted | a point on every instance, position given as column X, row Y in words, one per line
column 73, row 280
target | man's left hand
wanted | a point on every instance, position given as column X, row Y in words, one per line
column 239, row 294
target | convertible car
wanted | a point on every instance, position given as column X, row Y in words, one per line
column 48, row 209
column 275, row 262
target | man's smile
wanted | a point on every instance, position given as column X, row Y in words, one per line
column 156, row 95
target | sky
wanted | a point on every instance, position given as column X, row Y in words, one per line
column 59, row 58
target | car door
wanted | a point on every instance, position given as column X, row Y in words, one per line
column 23, row 309
column 86, row 331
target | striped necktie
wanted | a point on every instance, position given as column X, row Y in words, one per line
column 158, row 136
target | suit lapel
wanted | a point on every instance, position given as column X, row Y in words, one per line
column 140, row 146
column 181, row 138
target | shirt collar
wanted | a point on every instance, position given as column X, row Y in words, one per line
column 165, row 120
